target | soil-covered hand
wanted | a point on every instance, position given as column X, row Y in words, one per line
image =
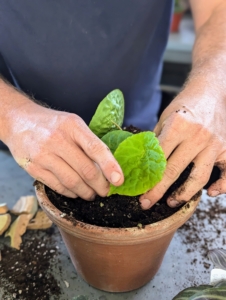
column 58, row 149
column 192, row 128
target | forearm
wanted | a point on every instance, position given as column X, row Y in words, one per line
column 209, row 54
column 192, row 127
column 11, row 101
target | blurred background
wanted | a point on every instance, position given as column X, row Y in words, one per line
column 177, row 58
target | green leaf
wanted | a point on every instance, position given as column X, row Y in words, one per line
column 220, row 284
column 203, row 292
column 109, row 114
column 191, row 291
column 218, row 258
column 214, row 293
column 143, row 163
column 113, row 138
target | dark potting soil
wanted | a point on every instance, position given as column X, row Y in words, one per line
column 118, row 211
column 26, row 273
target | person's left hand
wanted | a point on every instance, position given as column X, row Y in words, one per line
column 191, row 128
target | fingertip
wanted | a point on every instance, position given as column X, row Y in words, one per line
column 116, row 178
column 217, row 188
column 145, row 204
column 172, row 203
column 213, row 193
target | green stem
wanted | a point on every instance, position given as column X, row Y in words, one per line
column 116, row 125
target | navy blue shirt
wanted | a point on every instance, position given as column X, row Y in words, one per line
column 71, row 53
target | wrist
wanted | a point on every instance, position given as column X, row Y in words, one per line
column 11, row 102
column 206, row 82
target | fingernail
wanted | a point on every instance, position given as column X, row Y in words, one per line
column 145, row 203
column 173, row 203
column 115, row 176
column 214, row 193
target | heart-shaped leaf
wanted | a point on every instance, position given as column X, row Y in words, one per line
column 109, row 114
column 113, row 138
column 143, row 163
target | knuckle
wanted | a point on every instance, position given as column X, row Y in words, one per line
column 89, row 172
column 95, row 146
column 75, row 119
column 176, row 121
column 71, row 182
column 37, row 157
column 202, row 136
column 172, row 171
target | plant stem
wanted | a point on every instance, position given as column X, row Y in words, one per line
column 116, row 125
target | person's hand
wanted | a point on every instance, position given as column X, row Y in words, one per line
column 58, row 149
column 192, row 128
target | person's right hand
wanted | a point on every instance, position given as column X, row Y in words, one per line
column 58, row 149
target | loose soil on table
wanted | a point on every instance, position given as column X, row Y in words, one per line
column 118, row 211
column 26, row 273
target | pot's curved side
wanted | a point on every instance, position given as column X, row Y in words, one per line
column 114, row 259
column 116, row 268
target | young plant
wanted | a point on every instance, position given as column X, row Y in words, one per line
column 140, row 156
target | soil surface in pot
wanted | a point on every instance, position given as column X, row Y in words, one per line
column 118, row 211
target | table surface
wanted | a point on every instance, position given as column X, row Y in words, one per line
column 185, row 263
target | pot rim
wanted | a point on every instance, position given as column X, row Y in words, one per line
column 122, row 235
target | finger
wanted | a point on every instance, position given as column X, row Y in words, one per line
column 219, row 187
column 170, row 137
column 157, row 129
column 199, row 176
column 87, row 169
column 176, row 164
column 100, row 153
column 69, row 178
column 47, row 178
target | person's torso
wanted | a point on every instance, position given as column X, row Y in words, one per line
column 71, row 53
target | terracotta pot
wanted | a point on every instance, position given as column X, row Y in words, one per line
column 175, row 23
column 116, row 259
